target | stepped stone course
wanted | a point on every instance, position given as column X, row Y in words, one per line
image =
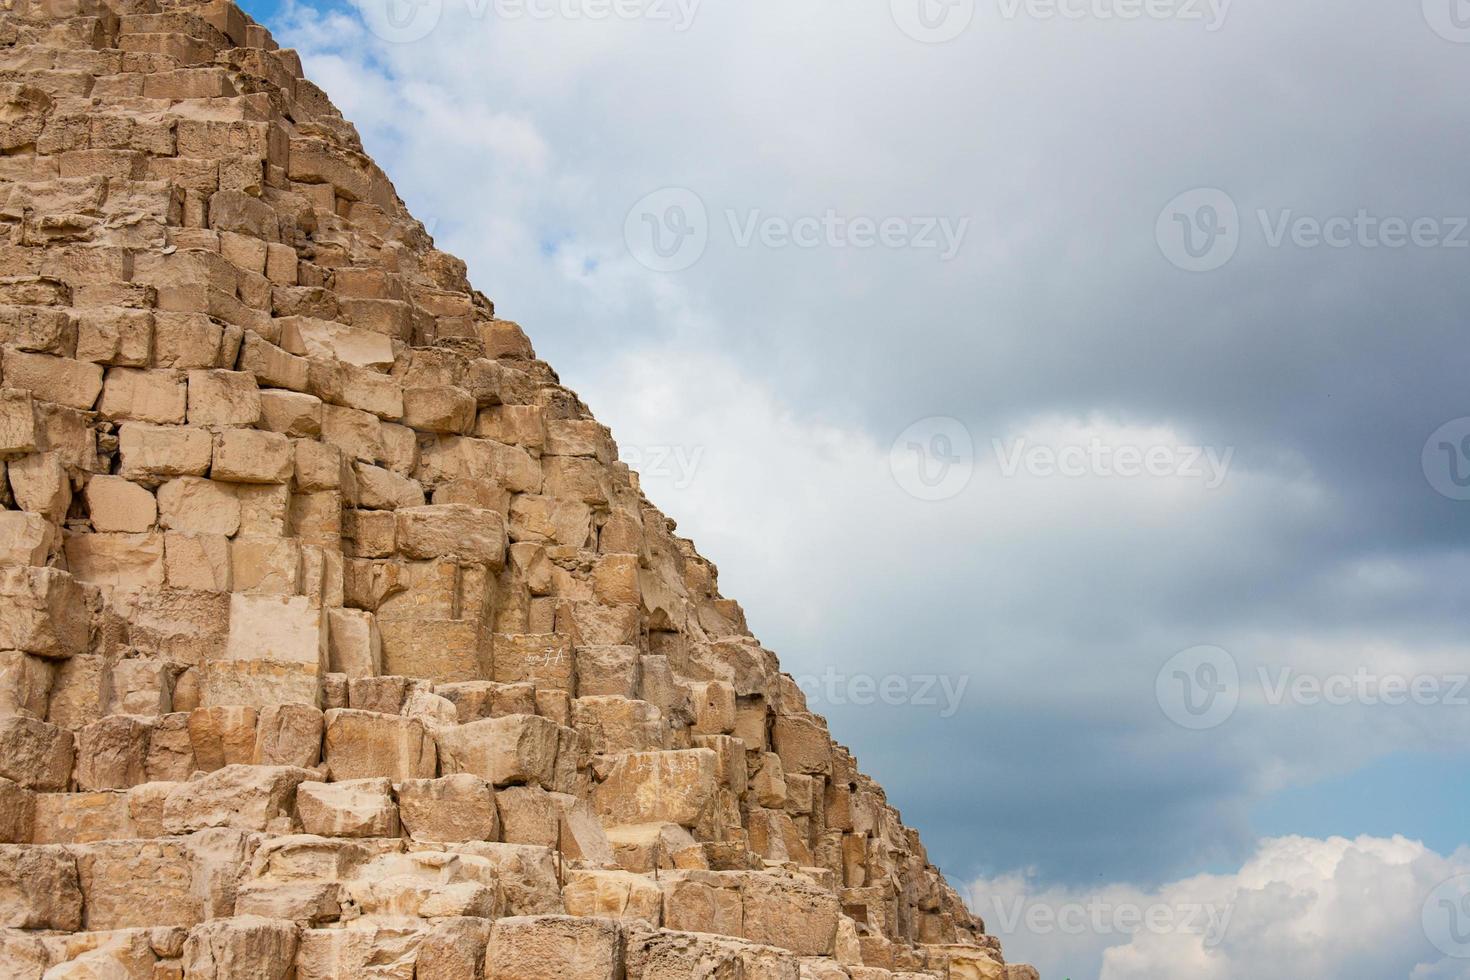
column 334, row 639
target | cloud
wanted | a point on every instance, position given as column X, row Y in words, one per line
column 1360, row 909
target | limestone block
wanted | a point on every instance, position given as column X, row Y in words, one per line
column 242, row 797
column 222, row 735
column 291, row 413
column 439, row 650
column 41, row 485
column 770, row 782
column 802, row 743
column 608, row 670
column 528, row 815
column 354, row 646
column 75, row 384
column 543, row 659
column 289, row 735
column 26, row 539
column 319, row 467
column 199, row 506
column 614, row 895
column 329, row 340
column 358, row 434
column 702, row 901
column 39, row 888
column 223, row 398
column 452, row 530
column 138, row 883
column 25, row 684
column 42, row 612
column 615, row 580
column 454, row 950
column 153, row 453
column 386, row 695
column 264, row 509
column 367, row 950
column 352, row 808
column 555, row 948
column 266, row 565
column 357, row 388
column 277, row 628
column 443, row 408
column 115, row 504
column 112, row 753
column 714, row 707
column 261, row 683
column 119, row 561
column 115, row 335
column 252, row 456
column 35, row 754
column 379, row 489
column 170, row 750
column 17, row 813
column 790, row 913
column 457, row 807
column 198, row 562
column 658, row 787
column 241, row 946
column 80, row 818
column 416, row 591
column 515, row 749
column 364, row 744
column 17, row 422
column 131, row 394
column 617, row 724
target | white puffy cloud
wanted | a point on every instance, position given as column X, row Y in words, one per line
column 1363, row 909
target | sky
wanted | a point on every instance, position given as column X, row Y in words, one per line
column 1073, row 393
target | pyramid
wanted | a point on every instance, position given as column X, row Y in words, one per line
column 335, row 641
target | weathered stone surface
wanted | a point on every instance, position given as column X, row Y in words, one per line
column 554, row 947
column 242, row 797
column 35, row 754
column 365, row 744
column 38, row 888
column 456, row 807
column 42, row 612
column 241, row 946
column 516, row 749
column 658, row 787
column 352, row 808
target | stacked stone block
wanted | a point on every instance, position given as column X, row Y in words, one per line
column 334, row 639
